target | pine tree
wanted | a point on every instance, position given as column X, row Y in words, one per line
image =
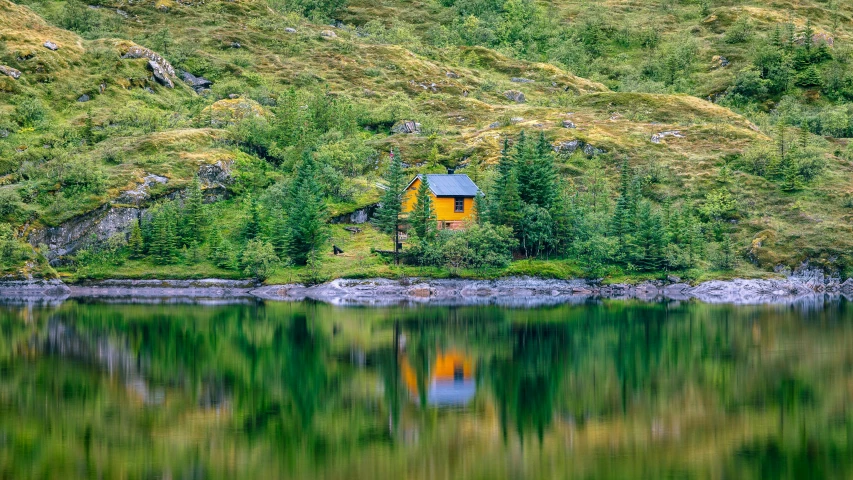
column 621, row 213
column 387, row 217
column 509, row 204
column 422, row 216
column 505, row 169
column 307, row 214
column 193, row 215
column 134, row 241
column 543, row 192
column 252, row 229
column 164, row 243
column 649, row 239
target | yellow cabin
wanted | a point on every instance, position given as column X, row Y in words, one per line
column 452, row 197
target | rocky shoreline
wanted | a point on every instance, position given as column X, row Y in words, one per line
column 517, row 292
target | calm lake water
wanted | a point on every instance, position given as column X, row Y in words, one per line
column 610, row 389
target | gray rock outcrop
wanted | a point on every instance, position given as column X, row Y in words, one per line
column 160, row 74
column 198, row 84
column 658, row 137
column 570, row 146
column 406, row 126
column 9, row 71
column 515, row 96
column 162, row 69
column 51, row 46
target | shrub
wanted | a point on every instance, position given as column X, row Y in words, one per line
column 10, row 203
column 29, row 112
column 740, row 31
column 758, row 160
column 719, row 204
column 259, row 259
column 76, row 16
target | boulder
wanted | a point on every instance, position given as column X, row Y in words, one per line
column 570, row 146
column 121, row 13
column 328, row 34
column 290, row 30
column 450, row 74
column 51, row 46
column 141, row 52
column 406, row 126
column 236, row 45
column 495, row 125
column 160, row 74
column 197, row 83
column 515, row 96
column 83, row 98
column 569, row 124
column 9, row 71
column 658, row 137
column 520, row 80
column 140, row 193
column 720, row 61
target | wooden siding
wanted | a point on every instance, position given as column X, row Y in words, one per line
column 444, row 206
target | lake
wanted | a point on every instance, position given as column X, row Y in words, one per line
column 613, row 389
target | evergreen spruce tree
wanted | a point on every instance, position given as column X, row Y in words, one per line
column 221, row 252
column 649, row 240
column 307, row 214
column 164, row 244
column 526, row 166
column 509, row 204
column 620, row 225
column 387, row 217
column 252, row 229
column 543, row 191
column 422, row 216
column 193, row 215
column 134, row 241
column 493, row 203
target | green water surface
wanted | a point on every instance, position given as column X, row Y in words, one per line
column 609, row 389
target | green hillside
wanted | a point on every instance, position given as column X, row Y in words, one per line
column 757, row 181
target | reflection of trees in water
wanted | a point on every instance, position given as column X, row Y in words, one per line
column 285, row 377
column 526, row 383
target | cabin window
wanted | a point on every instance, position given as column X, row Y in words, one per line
column 459, row 205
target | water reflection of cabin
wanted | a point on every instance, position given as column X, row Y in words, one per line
column 450, row 380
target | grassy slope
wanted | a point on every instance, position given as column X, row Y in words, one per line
column 810, row 223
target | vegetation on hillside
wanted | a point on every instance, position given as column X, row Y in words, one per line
column 643, row 175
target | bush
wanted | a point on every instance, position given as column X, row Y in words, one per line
column 478, row 246
column 259, row 259
column 29, row 112
column 739, row 32
column 10, row 203
column 12, row 251
column 719, row 204
column 81, row 176
column 748, row 86
column 76, row 17
column 758, row 160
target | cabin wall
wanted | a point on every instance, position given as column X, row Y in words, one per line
column 444, row 206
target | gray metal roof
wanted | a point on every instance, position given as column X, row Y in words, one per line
column 450, row 185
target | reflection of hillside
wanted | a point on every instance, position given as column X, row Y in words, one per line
column 315, row 391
